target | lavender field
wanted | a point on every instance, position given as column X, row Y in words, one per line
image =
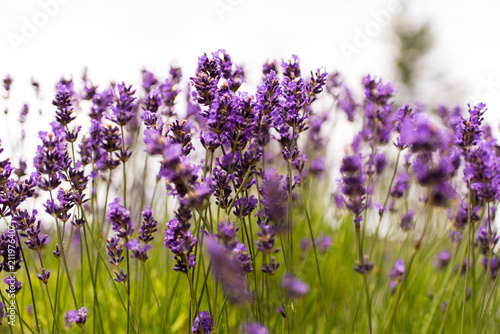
column 135, row 215
column 249, row 167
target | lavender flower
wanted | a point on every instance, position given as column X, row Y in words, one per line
column 78, row 317
column 148, row 226
column 397, row 274
column 494, row 266
column 14, row 285
column 485, row 241
column 442, row 260
column 202, row 324
column 139, row 252
column 407, row 220
column 3, row 312
column 400, row 186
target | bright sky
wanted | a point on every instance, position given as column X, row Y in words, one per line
column 116, row 38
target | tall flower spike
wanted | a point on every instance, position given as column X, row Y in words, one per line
column 122, row 112
column 120, row 218
column 352, row 186
column 78, row 317
column 202, row 323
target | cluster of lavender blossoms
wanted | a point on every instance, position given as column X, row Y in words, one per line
column 235, row 183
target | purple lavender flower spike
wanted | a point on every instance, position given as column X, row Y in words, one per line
column 13, row 284
column 148, row 226
column 400, row 186
column 138, row 252
column 227, row 270
column 120, row 218
column 3, row 311
column 254, row 328
column 469, row 131
column 78, row 317
column 123, row 111
column 274, row 197
column 352, row 186
column 202, row 324
column 44, row 276
column 294, row 287
column 407, row 221
column 494, row 266
column 442, row 259
column 397, row 273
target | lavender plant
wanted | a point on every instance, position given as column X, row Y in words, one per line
column 237, row 182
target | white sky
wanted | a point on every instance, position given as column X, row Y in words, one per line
column 116, row 38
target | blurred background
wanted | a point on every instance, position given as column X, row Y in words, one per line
column 436, row 52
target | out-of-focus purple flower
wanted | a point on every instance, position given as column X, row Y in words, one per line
column 254, row 328
column 148, row 226
column 420, row 134
column 468, row 132
column 400, row 186
column 483, row 171
column 281, row 310
column 305, row 245
column 244, row 259
column 3, row 311
column 202, row 324
column 323, row 243
column 148, row 80
column 139, row 252
column 274, row 197
column 44, row 276
column 181, row 242
column 227, row 270
column 462, row 216
column 244, row 206
column 100, row 103
column 406, row 221
column 14, row 285
column 363, row 268
column 397, row 273
column 317, row 167
column 24, row 113
column 442, row 259
column 78, row 317
column 494, row 265
column 294, row 287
